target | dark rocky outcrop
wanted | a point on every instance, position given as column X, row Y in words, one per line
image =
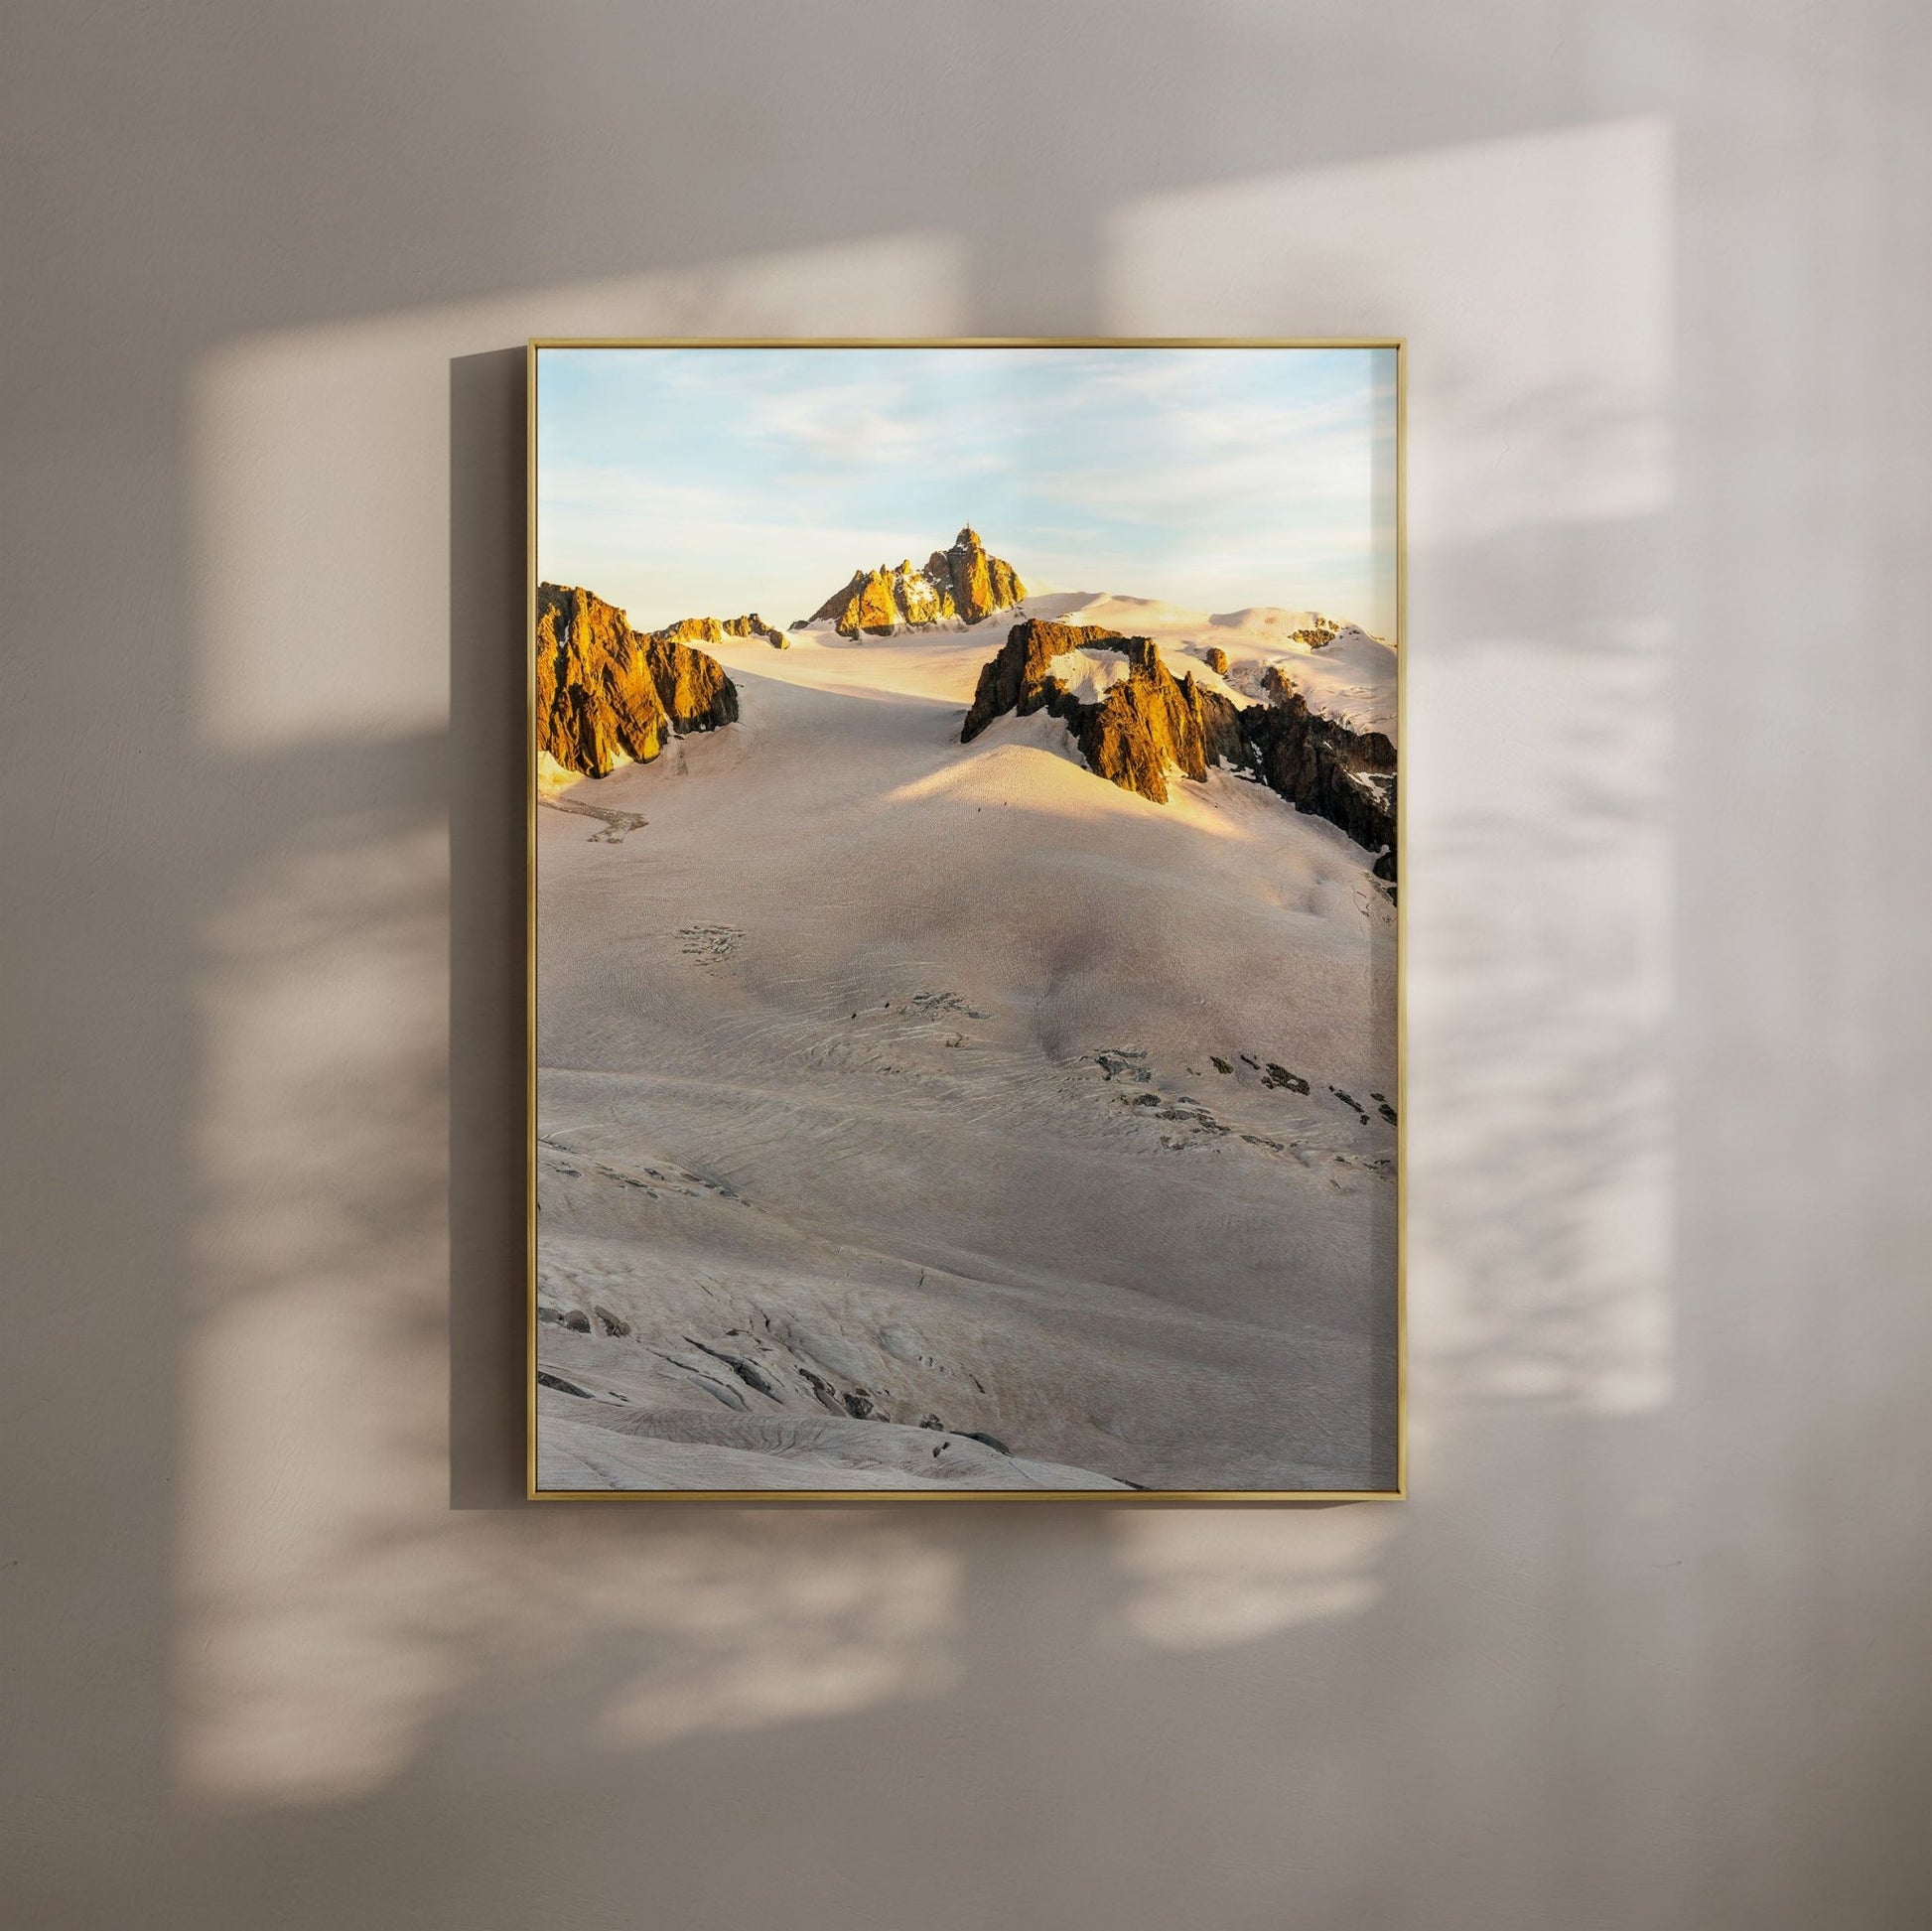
column 1147, row 723
column 1216, row 661
column 605, row 692
column 965, row 581
column 1151, row 722
column 1015, row 677
column 1320, row 766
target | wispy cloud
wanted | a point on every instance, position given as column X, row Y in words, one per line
column 701, row 479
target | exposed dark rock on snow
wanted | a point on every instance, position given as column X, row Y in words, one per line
column 1150, row 722
column 1319, row 764
column 1146, row 722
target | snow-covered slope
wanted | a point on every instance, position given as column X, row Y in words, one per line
column 1352, row 678
column 923, row 1114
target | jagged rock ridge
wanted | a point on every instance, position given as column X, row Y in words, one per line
column 1150, row 720
column 604, row 691
column 1320, row 766
column 1144, row 723
column 715, row 629
column 965, row 581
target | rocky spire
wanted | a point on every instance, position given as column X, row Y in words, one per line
column 965, row 583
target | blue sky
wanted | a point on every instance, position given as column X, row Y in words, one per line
column 707, row 482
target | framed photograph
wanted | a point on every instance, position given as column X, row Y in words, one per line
column 965, row 950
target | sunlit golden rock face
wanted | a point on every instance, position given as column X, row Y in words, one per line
column 882, row 600
column 1154, row 723
column 1146, row 725
column 965, row 583
column 596, row 700
column 693, row 686
column 715, row 629
column 606, row 693
column 978, row 582
column 1150, row 723
column 1217, row 661
column 1016, row 678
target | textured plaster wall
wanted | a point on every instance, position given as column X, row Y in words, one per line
column 1647, row 1651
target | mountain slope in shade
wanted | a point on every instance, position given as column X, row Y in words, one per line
column 966, row 583
column 606, row 693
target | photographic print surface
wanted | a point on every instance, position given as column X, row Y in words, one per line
column 965, row 930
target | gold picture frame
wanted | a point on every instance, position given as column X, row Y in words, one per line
column 535, row 346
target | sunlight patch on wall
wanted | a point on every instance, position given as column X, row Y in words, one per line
column 334, row 1608
column 1205, row 1580
column 856, row 1613
column 1531, row 279
column 322, row 481
column 317, row 1606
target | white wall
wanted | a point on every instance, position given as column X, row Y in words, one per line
column 1647, row 1647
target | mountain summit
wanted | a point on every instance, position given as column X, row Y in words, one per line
column 965, row 581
